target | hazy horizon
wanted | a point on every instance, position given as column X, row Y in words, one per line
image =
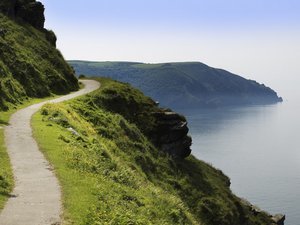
column 254, row 39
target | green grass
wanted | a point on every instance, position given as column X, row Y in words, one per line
column 6, row 177
column 29, row 65
column 111, row 173
column 99, row 186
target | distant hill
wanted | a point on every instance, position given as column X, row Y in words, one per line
column 30, row 64
column 183, row 85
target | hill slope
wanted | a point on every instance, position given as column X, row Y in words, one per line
column 113, row 173
column 182, row 85
column 30, row 64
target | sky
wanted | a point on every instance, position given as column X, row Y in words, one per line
column 257, row 39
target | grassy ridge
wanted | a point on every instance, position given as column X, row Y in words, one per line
column 30, row 66
column 112, row 174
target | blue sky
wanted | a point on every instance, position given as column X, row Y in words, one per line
column 259, row 39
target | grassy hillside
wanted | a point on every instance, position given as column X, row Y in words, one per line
column 30, row 65
column 111, row 172
column 182, row 85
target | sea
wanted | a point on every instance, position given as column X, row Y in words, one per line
column 258, row 147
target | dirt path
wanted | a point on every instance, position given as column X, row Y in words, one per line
column 36, row 199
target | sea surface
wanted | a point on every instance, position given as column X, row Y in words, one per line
column 258, row 147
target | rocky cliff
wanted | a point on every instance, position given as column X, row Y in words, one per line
column 171, row 133
column 29, row 11
column 166, row 129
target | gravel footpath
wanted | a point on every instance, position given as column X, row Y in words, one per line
column 36, row 199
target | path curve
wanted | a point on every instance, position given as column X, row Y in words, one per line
column 36, row 199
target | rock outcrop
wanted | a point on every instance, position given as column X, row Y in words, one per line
column 171, row 134
column 29, row 11
column 277, row 219
column 7, row 7
column 167, row 130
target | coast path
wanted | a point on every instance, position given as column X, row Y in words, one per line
column 36, row 198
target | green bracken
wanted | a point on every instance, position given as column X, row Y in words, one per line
column 111, row 173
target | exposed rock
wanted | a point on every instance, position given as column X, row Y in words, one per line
column 51, row 37
column 73, row 131
column 7, row 7
column 31, row 12
column 171, row 133
column 278, row 219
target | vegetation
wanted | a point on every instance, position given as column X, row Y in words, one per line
column 30, row 66
column 6, row 178
column 182, row 85
column 101, row 144
column 111, row 173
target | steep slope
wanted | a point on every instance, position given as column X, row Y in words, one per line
column 113, row 173
column 30, row 64
column 183, row 85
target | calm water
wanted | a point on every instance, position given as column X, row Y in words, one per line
column 258, row 148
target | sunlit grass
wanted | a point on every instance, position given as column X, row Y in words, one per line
column 111, row 173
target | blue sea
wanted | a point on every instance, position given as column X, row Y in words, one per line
column 258, row 147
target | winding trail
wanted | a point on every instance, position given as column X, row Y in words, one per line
column 36, row 199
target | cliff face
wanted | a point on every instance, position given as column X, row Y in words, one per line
column 30, row 11
column 30, row 64
column 166, row 129
column 7, row 7
column 171, row 133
